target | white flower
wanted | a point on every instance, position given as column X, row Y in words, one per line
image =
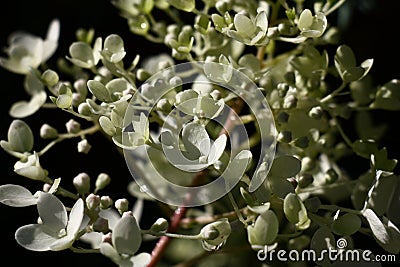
column 56, row 231
column 27, row 51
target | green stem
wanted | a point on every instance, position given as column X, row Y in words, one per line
column 62, row 137
column 84, row 250
column 236, row 209
column 334, row 93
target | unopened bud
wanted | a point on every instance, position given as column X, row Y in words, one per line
column 101, row 225
column 50, row 77
column 102, row 181
column 92, row 201
column 48, row 132
column 122, row 205
column 82, row 183
column 73, row 126
column 161, row 225
column 106, row 202
column 84, row 146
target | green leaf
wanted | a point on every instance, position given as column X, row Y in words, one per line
column 20, row 136
column 377, row 227
column 127, row 237
column 388, row 96
column 348, row 224
column 295, row 211
column 383, row 193
column 285, row 166
column 365, row 148
column 323, row 239
column 185, row 5
column 99, row 90
column 16, row 196
column 265, row 229
column 114, row 48
column 381, row 162
column 107, row 125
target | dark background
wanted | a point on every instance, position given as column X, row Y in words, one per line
column 372, row 31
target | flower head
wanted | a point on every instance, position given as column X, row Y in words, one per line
column 27, row 51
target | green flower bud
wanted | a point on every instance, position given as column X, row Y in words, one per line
column 121, row 205
column 48, row 132
column 161, row 225
column 73, row 126
column 307, row 164
column 215, row 234
column 84, row 146
column 84, row 109
column 284, row 136
column 92, row 201
column 142, row 74
column 302, row 142
column 106, row 202
column 283, row 117
column 305, row 180
column 46, row 187
column 331, row 176
column 164, row 105
column 282, row 89
column 82, row 183
column 50, row 77
column 289, row 102
column 316, row 113
column 102, row 181
column 223, row 6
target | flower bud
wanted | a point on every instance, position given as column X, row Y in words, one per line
column 82, row 183
column 48, row 132
column 164, row 105
column 84, row 109
column 142, row 74
column 102, row 181
column 50, row 77
column 101, row 225
column 331, row 176
column 122, row 205
column 316, row 113
column 302, row 142
column 84, row 146
column 284, row 136
column 46, row 187
column 73, row 126
column 161, row 225
column 106, row 202
column 283, row 117
column 305, row 180
column 215, row 234
column 92, row 201
column 289, row 102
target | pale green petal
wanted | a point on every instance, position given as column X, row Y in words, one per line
column 34, row 237
column 52, row 212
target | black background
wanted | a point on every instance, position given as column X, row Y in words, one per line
column 372, row 33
